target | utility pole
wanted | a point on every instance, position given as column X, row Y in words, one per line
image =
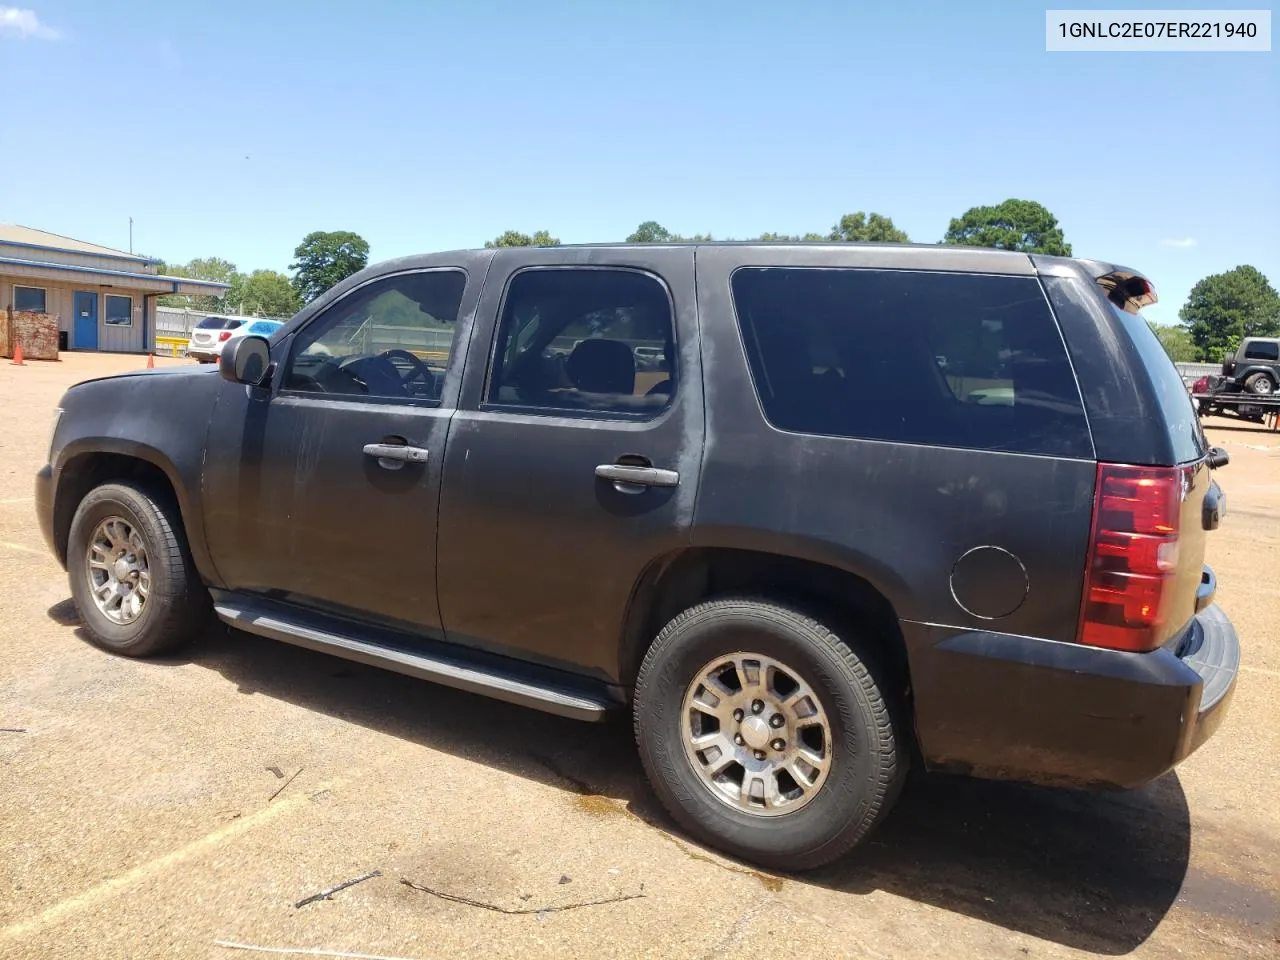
column 131, row 234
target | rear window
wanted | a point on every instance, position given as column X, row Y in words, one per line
column 1185, row 433
column 211, row 323
column 1262, row 350
column 953, row 360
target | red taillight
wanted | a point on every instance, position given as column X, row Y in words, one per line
column 1133, row 553
column 224, row 335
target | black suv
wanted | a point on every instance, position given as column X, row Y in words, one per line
column 869, row 506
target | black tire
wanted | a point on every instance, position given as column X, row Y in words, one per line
column 177, row 606
column 1260, row 385
column 868, row 761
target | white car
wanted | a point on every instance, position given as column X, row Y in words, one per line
column 212, row 333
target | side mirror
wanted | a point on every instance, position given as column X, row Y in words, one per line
column 245, row 360
column 1218, row 458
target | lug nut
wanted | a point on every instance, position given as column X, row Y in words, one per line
column 759, row 754
column 776, row 721
column 738, row 715
column 779, row 744
column 757, row 706
column 737, row 738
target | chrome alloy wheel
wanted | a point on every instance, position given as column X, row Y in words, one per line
column 116, row 565
column 756, row 734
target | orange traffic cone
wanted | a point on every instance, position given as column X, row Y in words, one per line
column 17, row 356
column 151, row 361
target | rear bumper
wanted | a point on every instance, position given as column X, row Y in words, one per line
column 1010, row 707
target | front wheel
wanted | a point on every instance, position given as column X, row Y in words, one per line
column 765, row 734
column 132, row 577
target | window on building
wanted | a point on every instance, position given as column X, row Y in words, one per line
column 391, row 339
column 956, row 360
column 119, row 312
column 30, row 299
column 599, row 341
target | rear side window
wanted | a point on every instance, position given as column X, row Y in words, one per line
column 954, row 360
column 600, row 342
column 1262, row 350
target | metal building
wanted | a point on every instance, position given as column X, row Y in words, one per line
column 103, row 299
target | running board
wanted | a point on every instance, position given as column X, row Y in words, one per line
column 438, row 667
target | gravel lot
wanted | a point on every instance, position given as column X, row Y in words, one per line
column 151, row 809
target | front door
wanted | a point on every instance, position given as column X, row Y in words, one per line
column 323, row 491
column 573, row 461
column 86, row 328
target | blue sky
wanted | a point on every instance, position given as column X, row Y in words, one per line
column 233, row 128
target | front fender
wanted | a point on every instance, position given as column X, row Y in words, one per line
column 161, row 421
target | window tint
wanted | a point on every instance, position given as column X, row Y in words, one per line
column 1179, row 414
column 30, row 299
column 391, row 338
column 1262, row 350
column 957, row 360
column 590, row 340
column 211, row 323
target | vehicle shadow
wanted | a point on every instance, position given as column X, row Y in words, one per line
column 1094, row 872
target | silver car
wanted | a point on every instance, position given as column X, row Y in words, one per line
column 208, row 336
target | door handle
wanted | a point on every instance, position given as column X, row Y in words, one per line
column 396, row 451
column 640, row 476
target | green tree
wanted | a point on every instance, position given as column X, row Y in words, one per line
column 514, row 238
column 203, row 268
column 861, row 228
column 650, row 232
column 1013, row 225
column 1224, row 308
column 269, row 294
column 790, row 237
column 324, row 259
column 1176, row 342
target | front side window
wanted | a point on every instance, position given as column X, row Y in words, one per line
column 119, row 311
column 955, row 360
column 598, row 341
column 29, row 299
column 390, row 339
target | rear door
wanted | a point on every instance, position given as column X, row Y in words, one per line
column 570, row 466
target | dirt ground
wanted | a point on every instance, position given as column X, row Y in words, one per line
column 155, row 809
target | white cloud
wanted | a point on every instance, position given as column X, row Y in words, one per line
column 24, row 24
column 1183, row 243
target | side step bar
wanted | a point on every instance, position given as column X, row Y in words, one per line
column 266, row 620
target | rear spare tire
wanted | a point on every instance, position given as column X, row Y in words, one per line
column 765, row 734
column 132, row 577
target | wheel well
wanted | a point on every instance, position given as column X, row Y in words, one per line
column 679, row 581
column 89, row 470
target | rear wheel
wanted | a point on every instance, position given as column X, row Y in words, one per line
column 131, row 573
column 766, row 735
column 1260, row 384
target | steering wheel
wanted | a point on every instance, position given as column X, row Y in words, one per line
column 420, row 370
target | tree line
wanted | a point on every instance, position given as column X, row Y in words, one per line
column 1222, row 309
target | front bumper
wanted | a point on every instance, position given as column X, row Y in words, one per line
column 44, row 497
column 1011, row 707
